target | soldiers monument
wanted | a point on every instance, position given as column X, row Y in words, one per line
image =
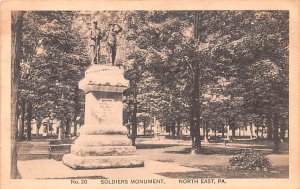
column 103, row 141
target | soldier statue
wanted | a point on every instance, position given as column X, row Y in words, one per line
column 94, row 42
column 111, row 37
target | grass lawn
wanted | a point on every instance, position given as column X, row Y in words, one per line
column 224, row 172
column 212, row 162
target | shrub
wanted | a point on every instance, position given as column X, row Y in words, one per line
column 250, row 160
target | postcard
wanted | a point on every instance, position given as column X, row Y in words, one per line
column 150, row 94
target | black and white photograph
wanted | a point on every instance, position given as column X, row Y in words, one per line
column 143, row 97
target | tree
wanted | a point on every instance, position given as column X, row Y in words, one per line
column 175, row 59
column 57, row 56
column 151, row 33
column 134, row 74
column 16, row 26
column 266, row 70
column 170, row 70
column 22, row 114
column 226, row 44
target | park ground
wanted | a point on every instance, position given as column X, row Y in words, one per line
column 212, row 162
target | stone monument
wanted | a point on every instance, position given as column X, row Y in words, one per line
column 103, row 141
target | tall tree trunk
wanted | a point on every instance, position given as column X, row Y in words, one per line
column 205, row 132
column 29, row 116
column 233, row 128
column 134, row 116
column 275, row 133
column 223, row 131
column 129, row 129
column 37, row 132
column 18, row 121
column 262, row 126
column 244, row 126
column 257, row 129
column 215, row 132
column 75, row 125
column 270, row 126
column 145, row 126
column 195, row 111
column 282, row 129
column 67, row 133
column 178, row 129
column 134, row 124
column 251, row 130
column 38, row 126
column 262, row 130
column 173, row 127
column 16, row 26
column 195, row 108
column 76, row 110
column 21, row 134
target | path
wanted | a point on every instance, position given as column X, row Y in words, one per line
column 50, row 169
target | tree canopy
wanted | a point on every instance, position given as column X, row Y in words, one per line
column 183, row 66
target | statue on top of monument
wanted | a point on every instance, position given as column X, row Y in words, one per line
column 111, row 37
column 94, row 42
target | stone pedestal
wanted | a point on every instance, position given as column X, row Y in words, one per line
column 103, row 141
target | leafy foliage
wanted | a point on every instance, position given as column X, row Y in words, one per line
column 57, row 58
column 237, row 61
column 251, row 160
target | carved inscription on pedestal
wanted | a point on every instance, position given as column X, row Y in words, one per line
column 105, row 109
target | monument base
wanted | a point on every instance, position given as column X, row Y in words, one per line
column 103, row 141
column 103, row 150
column 102, row 162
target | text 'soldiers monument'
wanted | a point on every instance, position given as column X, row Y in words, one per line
column 103, row 141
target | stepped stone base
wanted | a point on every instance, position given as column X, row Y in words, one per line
column 104, row 130
column 103, row 150
column 102, row 162
column 102, row 140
